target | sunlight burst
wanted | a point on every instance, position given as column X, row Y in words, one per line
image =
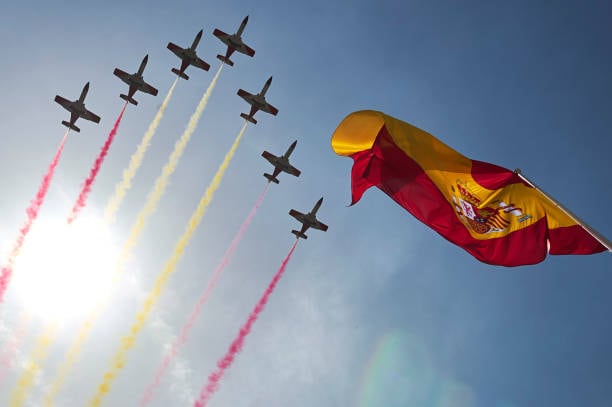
column 64, row 269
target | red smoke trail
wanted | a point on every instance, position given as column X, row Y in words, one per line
column 93, row 172
column 182, row 338
column 32, row 212
column 224, row 363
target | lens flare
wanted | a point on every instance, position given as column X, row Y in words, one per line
column 64, row 268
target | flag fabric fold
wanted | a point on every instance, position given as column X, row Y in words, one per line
column 486, row 209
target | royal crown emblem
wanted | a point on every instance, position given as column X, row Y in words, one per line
column 482, row 219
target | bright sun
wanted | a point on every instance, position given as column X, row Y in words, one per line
column 64, row 269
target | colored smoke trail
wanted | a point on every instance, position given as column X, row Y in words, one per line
column 7, row 359
column 182, row 338
column 162, row 181
column 150, row 205
column 33, row 368
column 32, row 212
column 72, row 355
column 93, row 172
column 127, row 342
column 224, row 363
column 136, row 161
column 163, row 333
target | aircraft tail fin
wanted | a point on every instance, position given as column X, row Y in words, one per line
column 225, row 60
column 71, row 126
column 271, row 178
column 299, row 234
column 128, row 99
column 181, row 74
column 248, row 118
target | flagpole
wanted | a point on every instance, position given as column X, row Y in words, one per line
column 596, row 235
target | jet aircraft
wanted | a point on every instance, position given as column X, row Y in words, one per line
column 135, row 82
column 308, row 220
column 281, row 164
column 188, row 57
column 77, row 109
column 234, row 43
column 257, row 102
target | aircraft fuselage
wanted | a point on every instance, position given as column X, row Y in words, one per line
column 134, row 80
column 234, row 41
column 258, row 101
column 78, row 108
column 282, row 163
column 309, row 219
column 188, row 54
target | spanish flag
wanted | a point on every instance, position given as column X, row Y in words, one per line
column 491, row 212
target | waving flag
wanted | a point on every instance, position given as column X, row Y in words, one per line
column 493, row 213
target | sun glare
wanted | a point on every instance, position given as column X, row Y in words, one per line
column 64, row 269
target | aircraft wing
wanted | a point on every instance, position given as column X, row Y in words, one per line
column 146, row 88
column 298, row 215
column 64, row 102
column 270, row 157
column 294, row 171
column 88, row 115
column 221, row 35
column 245, row 95
column 174, row 48
column 268, row 108
column 124, row 76
column 319, row 225
column 200, row 63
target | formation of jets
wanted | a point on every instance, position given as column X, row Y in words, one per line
column 188, row 56
column 282, row 164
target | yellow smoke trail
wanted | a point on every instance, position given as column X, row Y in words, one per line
column 135, row 161
column 150, row 206
column 73, row 354
column 37, row 356
column 127, row 342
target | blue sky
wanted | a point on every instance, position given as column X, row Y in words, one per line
column 380, row 310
